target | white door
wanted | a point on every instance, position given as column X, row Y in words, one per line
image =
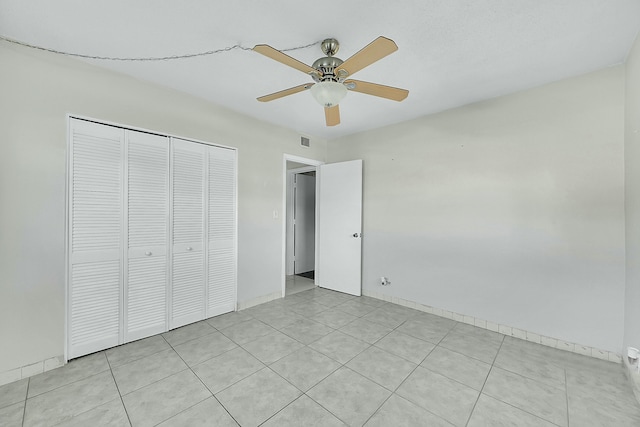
column 95, row 237
column 221, row 230
column 304, row 223
column 340, row 227
column 187, row 284
column 147, row 205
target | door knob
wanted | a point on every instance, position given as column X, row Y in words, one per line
column 148, row 253
column 189, row 248
column 356, row 235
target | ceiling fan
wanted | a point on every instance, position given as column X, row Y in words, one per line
column 332, row 75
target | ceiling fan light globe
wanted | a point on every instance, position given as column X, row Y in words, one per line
column 328, row 94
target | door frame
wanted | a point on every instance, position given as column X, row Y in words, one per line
column 285, row 181
column 291, row 173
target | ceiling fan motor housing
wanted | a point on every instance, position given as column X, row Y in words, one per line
column 327, row 67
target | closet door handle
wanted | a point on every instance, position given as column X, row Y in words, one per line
column 189, row 248
column 148, row 253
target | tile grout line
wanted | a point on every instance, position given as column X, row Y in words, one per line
column 566, row 389
column 26, row 397
column 393, row 392
column 418, row 365
column 322, row 406
column 342, row 365
column 507, row 403
column 118, row 389
column 201, row 382
column 224, row 352
column 485, row 382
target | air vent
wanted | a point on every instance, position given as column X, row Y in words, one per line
column 304, row 141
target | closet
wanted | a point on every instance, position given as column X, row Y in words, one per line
column 151, row 234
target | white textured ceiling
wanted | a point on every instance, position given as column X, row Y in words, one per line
column 450, row 53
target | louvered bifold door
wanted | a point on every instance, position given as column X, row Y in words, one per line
column 95, row 237
column 148, row 235
column 221, row 259
column 187, row 280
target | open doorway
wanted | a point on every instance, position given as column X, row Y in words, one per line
column 338, row 224
column 301, row 228
column 299, row 225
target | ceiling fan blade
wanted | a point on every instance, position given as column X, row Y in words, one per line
column 332, row 115
column 275, row 54
column 375, row 89
column 285, row 92
column 374, row 51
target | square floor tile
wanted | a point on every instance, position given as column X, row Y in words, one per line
column 542, row 400
column 382, row 367
column 466, row 370
column 110, row 414
column 227, row 369
column 402, row 310
column 339, row 346
column 334, row 318
column 387, row 318
column 399, row 412
column 403, row 345
column 75, row 370
column 303, row 412
column 204, row 348
column 225, row 320
column 137, row 374
column 309, row 308
column 136, row 350
column 539, row 369
column 13, row 392
column 256, row 398
column 494, row 413
column 11, row 416
column 366, row 330
column 187, row 333
column 375, row 302
column 355, row 308
column 271, row 308
column 440, row 395
column 587, row 411
column 349, row 396
column 305, row 368
column 306, row 331
column 209, row 412
column 479, row 345
column 272, row 347
column 331, row 300
column 425, row 329
column 280, row 320
column 162, row 400
column 70, row 400
column 600, row 384
column 247, row 331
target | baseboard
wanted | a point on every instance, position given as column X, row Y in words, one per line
column 503, row 329
column 30, row 370
column 633, row 376
column 260, row 300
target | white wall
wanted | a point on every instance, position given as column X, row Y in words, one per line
column 510, row 210
column 632, row 197
column 37, row 90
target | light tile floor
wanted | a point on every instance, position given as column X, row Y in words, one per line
column 326, row 359
column 295, row 284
